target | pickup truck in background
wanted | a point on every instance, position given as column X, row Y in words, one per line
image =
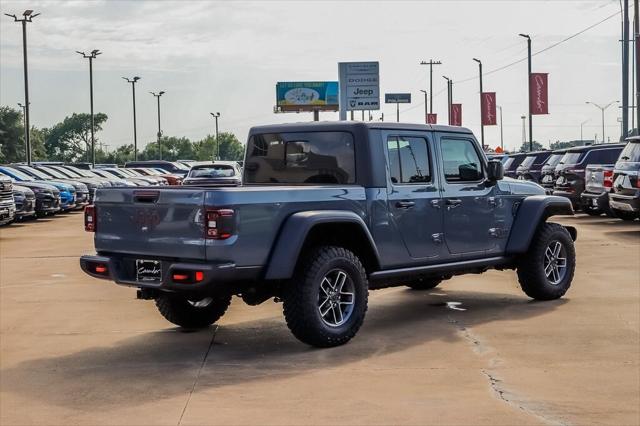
column 327, row 212
column 594, row 200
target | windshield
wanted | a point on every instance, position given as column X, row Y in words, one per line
column 181, row 166
column 105, row 174
column 151, row 172
column 54, row 173
column 631, row 152
column 132, row 172
column 65, row 172
column 35, row 172
column 212, row 172
column 528, row 161
column 19, row 174
column 80, row 172
column 554, row 159
column 116, row 172
column 571, row 158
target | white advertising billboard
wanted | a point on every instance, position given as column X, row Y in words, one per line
column 359, row 86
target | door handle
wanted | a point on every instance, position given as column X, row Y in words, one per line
column 453, row 202
column 405, row 204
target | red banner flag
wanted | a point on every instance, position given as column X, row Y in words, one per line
column 456, row 115
column 539, row 96
column 432, row 118
column 489, row 109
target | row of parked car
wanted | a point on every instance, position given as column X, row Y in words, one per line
column 598, row 179
column 48, row 188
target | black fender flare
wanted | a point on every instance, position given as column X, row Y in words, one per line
column 532, row 211
column 291, row 239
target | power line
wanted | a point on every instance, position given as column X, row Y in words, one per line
column 543, row 50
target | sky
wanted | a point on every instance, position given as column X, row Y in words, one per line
column 227, row 56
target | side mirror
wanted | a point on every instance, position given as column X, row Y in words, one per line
column 495, row 170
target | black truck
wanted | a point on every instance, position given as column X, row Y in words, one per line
column 327, row 212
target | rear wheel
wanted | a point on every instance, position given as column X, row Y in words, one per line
column 192, row 313
column 424, row 283
column 326, row 301
column 545, row 272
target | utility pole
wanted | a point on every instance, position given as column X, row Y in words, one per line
column 501, row 132
column 529, row 89
column 157, row 95
column 582, row 124
column 27, row 16
column 91, row 57
column 431, row 63
column 449, row 97
column 426, row 110
column 481, row 124
column 133, row 82
column 602, row 109
column 217, row 153
column 625, row 67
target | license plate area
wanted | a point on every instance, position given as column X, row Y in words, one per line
column 148, row 270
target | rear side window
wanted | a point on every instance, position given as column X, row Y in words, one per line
column 408, row 160
column 301, row 158
column 631, row 152
column 460, row 160
column 571, row 158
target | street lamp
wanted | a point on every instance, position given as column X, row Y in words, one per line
column 157, row 95
column 94, row 53
column 133, row 82
column 426, row 111
column 529, row 88
column 26, row 130
column 582, row 124
column 602, row 109
column 27, row 16
column 449, row 97
column 431, row 63
column 524, row 132
column 481, row 123
column 501, row 132
column 217, row 154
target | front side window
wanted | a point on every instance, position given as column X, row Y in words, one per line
column 408, row 159
column 301, row 158
column 461, row 161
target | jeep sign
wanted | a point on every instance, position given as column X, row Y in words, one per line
column 359, row 87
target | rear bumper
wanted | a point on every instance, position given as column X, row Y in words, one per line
column 571, row 195
column 629, row 203
column 217, row 277
column 595, row 201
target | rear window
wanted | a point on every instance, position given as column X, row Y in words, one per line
column 212, row 172
column 631, row 152
column 301, row 158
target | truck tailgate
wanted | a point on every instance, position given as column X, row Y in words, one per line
column 153, row 223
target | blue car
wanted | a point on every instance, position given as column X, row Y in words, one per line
column 67, row 191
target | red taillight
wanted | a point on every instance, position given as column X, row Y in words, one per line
column 180, row 277
column 199, row 276
column 100, row 269
column 188, row 277
column 90, row 218
column 608, row 178
column 219, row 224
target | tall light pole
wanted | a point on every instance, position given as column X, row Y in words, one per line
column 636, row 38
column 27, row 16
column 625, row 67
column 501, row 132
column 481, row 124
column 582, row 124
column 91, row 57
column 217, row 153
column 133, row 82
column 431, row 63
column 426, row 110
column 26, row 130
column 449, row 97
column 529, row 89
column 524, row 132
column 157, row 95
column 602, row 109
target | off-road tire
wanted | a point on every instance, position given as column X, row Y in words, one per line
column 301, row 296
column 422, row 284
column 176, row 309
column 531, row 273
column 630, row 216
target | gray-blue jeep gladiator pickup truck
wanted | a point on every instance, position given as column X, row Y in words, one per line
column 326, row 212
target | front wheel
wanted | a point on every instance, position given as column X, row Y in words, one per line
column 545, row 272
column 326, row 301
column 192, row 313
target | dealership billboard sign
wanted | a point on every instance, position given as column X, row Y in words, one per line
column 397, row 98
column 359, row 87
column 295, row 96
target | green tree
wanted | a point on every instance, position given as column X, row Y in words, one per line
column 230, row 147
column 70, row 140
column 11, row 135
column 537, row 146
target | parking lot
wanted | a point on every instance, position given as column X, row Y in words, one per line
column 474, row 351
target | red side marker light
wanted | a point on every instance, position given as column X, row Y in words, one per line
column 100, row 269
column 199, row 276
column 180, row 277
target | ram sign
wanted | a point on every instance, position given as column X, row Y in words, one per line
column 306, row 96
column 359, row 87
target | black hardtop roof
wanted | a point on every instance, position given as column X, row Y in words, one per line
column 352, row 125
column 633, row 139
column 143, row 162
column 519, row 154
column 599, row 146
column 530, row 154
